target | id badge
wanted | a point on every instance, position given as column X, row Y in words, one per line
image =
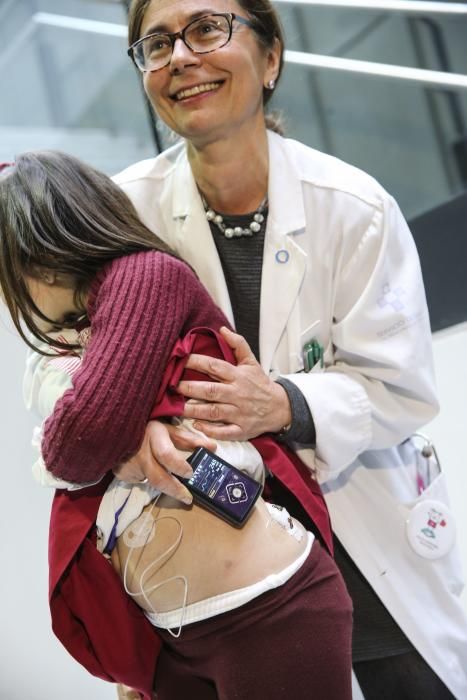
column 431, row 529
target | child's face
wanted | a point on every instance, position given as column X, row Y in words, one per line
column 53, row 295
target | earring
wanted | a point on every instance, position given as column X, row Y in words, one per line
column 271, row 84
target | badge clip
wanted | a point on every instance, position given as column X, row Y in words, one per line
column 313, row 353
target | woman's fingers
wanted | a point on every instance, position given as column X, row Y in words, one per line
column 206, row 391
column 219, row 370
column 209, row 411
column 241, row 402
column 244, row 398
column 220, row 431
column 189, row 440
column 242, row 351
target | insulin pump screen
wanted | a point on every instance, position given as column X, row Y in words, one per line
column 228, row 489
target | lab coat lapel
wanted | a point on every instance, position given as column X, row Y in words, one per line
column 193, row 237
column 284, row 262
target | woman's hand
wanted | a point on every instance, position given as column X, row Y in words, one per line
column 159, row 457
column 242, row 403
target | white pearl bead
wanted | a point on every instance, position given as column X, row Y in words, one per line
column 259, row 218
column 238, row 230
column 255, row 227
column 229, row 233
column 218, row 219
column 210, row 215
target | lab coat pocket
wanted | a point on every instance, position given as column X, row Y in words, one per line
column 317, row 352
column 430, row 530
column 326, row 358
column 309, row 332
column 297, row 340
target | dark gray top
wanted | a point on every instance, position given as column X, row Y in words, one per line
column 242, row 263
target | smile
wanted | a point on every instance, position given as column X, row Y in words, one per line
column 196, row 90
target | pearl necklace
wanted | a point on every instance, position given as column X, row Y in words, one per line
column 237, row 231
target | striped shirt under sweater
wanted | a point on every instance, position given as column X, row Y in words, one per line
column 139, row 305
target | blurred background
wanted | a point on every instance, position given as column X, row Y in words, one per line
column 382, row 85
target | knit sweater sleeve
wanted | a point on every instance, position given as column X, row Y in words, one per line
column 138, row 306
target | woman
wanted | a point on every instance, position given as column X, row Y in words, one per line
column 332, row 266
column 73, row 255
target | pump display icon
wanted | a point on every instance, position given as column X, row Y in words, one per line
column 237, row 492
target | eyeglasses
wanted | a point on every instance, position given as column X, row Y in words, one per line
column 202, row 35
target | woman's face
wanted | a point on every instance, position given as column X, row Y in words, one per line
column 231, row 78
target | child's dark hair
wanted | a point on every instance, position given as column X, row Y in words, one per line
column 60, row 214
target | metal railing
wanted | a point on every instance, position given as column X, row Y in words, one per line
column 422, row 76
column 403, row 6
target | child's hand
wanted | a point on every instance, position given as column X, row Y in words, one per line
column 162, row 454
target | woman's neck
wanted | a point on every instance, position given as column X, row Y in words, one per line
column 232, row 174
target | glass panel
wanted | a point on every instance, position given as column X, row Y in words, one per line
column 411, row 137
column 70, row 86
column 75, row 89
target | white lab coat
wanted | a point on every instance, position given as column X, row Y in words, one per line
column 341, row 267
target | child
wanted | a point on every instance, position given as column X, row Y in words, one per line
column 75, row 256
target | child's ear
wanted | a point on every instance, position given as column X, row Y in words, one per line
column 47, row 276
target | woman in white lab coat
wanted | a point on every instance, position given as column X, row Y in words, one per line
column 311, row 260
column 340, row 267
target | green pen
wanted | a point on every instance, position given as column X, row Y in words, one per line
column 312, row 353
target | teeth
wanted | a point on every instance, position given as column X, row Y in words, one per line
column 205, row 87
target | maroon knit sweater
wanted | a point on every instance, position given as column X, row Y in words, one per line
column 139, row 305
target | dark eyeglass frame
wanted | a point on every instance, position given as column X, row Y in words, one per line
column 173, row 36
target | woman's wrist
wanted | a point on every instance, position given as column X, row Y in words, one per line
column 283, row 410
column 301, row 428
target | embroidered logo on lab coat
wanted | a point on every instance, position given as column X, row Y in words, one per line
column 392, row 297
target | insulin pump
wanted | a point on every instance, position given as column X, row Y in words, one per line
column 222, row 488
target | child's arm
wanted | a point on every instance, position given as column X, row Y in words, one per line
column 47, row 378
column 140, row 306
column 45, row 381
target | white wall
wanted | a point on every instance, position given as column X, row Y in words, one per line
column 33, row 665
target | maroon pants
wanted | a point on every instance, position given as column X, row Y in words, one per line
column 291, row 643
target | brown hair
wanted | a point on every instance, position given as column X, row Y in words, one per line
column 267, row 27
column 59, row 214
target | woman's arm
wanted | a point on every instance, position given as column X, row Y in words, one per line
column 377, row 386
column 143, row 303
